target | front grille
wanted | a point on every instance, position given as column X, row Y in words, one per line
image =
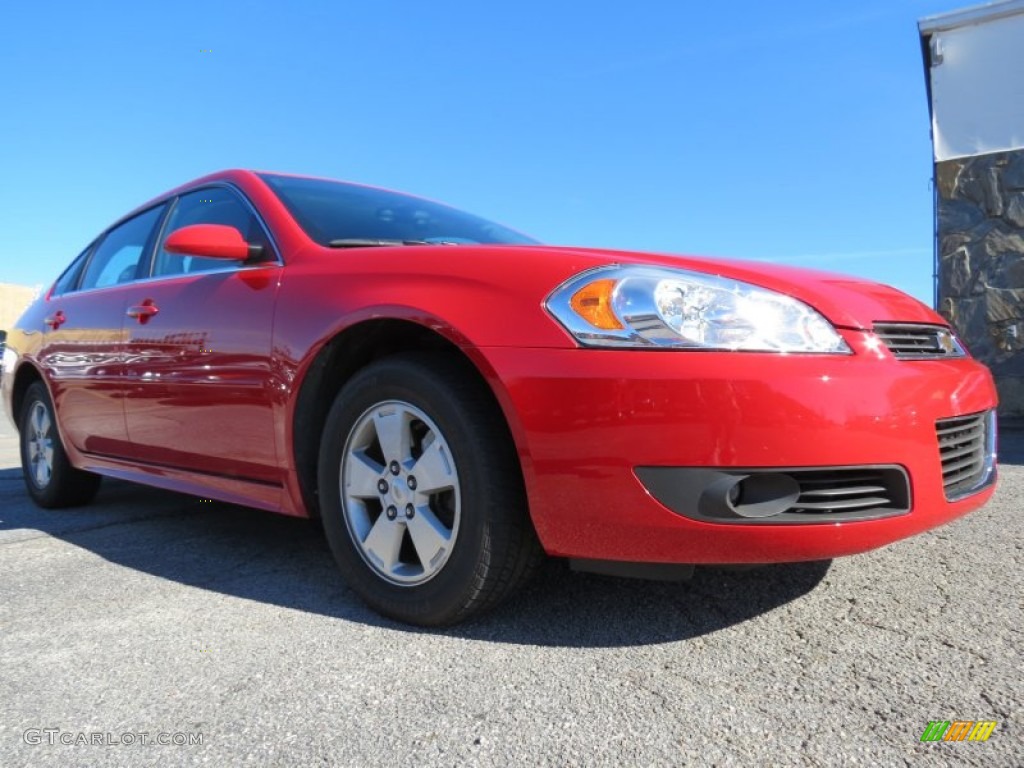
column 838, row 491
column 908, row 341
column 966, row 451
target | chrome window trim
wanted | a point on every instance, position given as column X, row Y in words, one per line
column 226, row 270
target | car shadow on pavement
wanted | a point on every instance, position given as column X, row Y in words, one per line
column 285, row 561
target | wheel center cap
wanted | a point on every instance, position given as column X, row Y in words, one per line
column 399, row 490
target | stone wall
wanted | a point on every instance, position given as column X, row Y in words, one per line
column 981, row 263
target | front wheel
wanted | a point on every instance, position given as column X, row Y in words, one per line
column 50, row 479
column 420, row 492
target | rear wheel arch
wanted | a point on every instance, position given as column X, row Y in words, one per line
column 345, row 355
column 26, row 375
column 51, row 480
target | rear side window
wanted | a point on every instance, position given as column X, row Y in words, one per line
column 116, row 259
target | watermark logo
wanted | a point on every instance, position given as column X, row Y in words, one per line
column 55, row 736
column 958, row 730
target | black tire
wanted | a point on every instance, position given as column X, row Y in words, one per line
column 493, row 549
column 65, row 486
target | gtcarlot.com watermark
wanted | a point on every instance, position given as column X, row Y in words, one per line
column 54, row 736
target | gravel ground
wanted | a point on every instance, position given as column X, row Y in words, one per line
column 154, row 613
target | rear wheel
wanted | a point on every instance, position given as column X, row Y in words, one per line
column 421, row 494
column 50, row 479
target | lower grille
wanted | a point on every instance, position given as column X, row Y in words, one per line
column 773, row 496
column 967, row 452
column 831, row 492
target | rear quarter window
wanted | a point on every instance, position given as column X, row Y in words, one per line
column 68, row 280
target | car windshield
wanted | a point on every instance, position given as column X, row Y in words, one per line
column 347, row 215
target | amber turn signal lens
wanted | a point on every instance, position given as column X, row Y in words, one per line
column 593, row 302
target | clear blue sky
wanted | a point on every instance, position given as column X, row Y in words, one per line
column 793, row 131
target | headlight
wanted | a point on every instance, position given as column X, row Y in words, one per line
column 673, row 308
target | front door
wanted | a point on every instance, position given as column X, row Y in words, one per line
column 197, row 369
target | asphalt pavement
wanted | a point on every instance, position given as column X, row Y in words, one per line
column 225, row 632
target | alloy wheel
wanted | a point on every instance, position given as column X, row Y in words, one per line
column 400, row 493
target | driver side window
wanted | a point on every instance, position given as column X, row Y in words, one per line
column 216, row 205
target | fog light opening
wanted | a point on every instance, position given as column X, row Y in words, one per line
column 735, row 494
column 763, row 495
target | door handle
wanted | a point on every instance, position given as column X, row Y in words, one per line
column 142, row 312
column 56, row 320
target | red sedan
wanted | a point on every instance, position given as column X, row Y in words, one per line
column 453, row 399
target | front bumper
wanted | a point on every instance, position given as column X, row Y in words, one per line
column 585, row 421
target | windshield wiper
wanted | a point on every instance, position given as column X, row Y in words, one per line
column 374, row 243
column 368, row 242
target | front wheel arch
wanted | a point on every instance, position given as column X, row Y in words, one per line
column 344, row 356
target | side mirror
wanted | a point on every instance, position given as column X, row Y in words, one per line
column 211, row 241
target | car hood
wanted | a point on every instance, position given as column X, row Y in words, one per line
column 478, row 288
column 847, row 302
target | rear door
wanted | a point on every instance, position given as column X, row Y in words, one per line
column 83, row 339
